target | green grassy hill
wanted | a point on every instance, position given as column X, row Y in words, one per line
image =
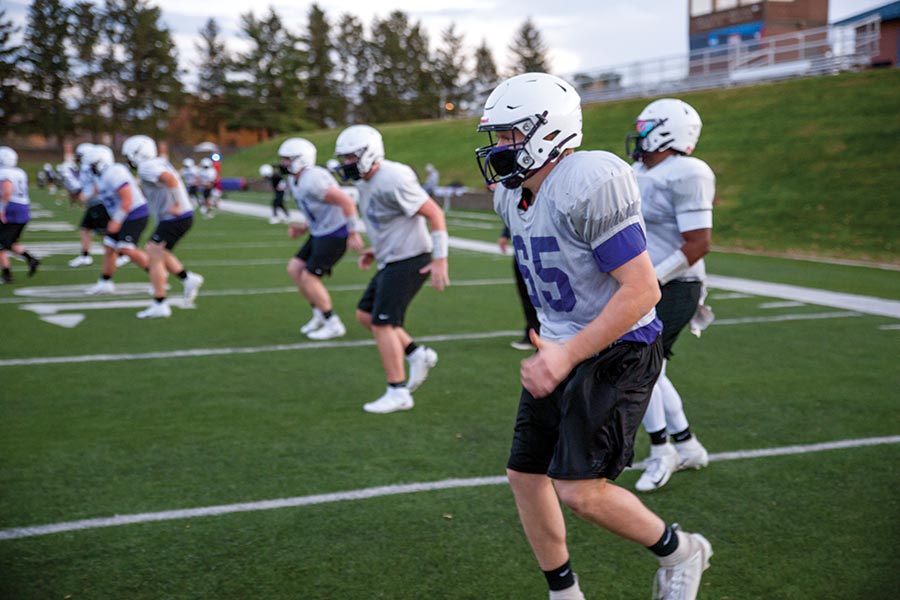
column 806, row 166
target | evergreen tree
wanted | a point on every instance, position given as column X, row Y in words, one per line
column 149, row 87
column 351, row 70
column 12, row 101
column 320, row 89
column 450, row 68
column 402, row 82
column 46, row 67
column 484, row 76
column 87, row 67
column 214, row 63
column 528, row 50
column 266, row 93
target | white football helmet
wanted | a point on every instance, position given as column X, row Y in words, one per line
column 80, row 150
column 266, row 171
column 98, row 158
column 665, row 124
column 8, row 157
column 188, row 162
column 138, row 148
column 300, row 152
column 364, row 143
column 545, row 109
column 206, row 162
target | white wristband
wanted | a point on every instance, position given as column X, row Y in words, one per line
column 671, row 267
column 355, row 224
column 119, row 216
column 441, row 243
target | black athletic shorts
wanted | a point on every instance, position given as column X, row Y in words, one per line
column 675, row 309
column 169, row 233
column 321, row 254
column 278, row 200
column 392, row 289
column 95, row 217
column 10, row 233
column 128, row 235
column 585, row 428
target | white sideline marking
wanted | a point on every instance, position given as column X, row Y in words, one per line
column 889, row 327
column 386, row 490
column 195, row 352
column 780, row 304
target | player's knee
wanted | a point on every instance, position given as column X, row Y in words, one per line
column 364, row 318
column 580, row 495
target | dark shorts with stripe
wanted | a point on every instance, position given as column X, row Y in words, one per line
column 95, row 218
column 392, row 289
column 130, row 232
column 168, row 233
column 675, row 309
column 585, row 428
column 321, row 254
column 10, row 234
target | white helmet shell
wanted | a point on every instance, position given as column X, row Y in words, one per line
column 8, row 157
column 80, row 150
column 669, row 123
column 188, row 162
column 545, row 109
column 299, row 151
column 139, row 148
column 206, row 162
column 362, row 141
column 99, row 158
column 266, row 171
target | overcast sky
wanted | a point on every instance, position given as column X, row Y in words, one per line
column 582, row 35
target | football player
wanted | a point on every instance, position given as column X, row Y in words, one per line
column 168, row 199
column 15, row 212
column 395, row 209
column 279, row 185
column 677, row 192
column 579, row 239
column 127, row 208
column 207, row 177
column 333, row 225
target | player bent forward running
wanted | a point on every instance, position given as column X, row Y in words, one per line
column 395, row 208
column 15, row 212
column 128, row 212
column 579, row 239
column 168, row 198
column 333, row 226
column 677, row 193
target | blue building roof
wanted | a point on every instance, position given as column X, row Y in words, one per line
column 888, row 12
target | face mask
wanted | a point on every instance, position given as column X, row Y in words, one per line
column 284, row 170
column 349, row 172
column 503, row 160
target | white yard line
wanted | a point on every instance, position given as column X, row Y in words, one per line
column 387, row 490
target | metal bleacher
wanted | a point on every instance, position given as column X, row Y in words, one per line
column 820, row 51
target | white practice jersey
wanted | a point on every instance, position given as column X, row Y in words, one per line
column 309, row 189
column 584, row 222
column 71, row 177
column 389, row 202
column 88, row 182
column 190, row 176
column 677, row 195
column 114, row 179
column 166, row 204
column 17, row 211
column 207, row 177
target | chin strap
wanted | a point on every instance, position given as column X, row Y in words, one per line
column 671, row 267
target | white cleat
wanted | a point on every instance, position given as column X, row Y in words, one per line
column 315, row 323
column 663, row 462
column 394, row 399
column 192, row 285
column 571, row 593
column 122, row 260
column 420, row 362
column 274, row 220
column 157, row 310
column 681, row 581
column 103, row 286
column 691, row 454
column 82, row 261
column 332, row 328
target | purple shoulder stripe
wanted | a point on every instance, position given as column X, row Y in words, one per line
column 620, row 248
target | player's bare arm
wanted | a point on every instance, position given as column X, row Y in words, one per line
column 438, row 267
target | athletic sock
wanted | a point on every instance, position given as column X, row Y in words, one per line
column 682, row 436
column 561, row 578
column 106, row 277
column 667, row 544
column 327, row 314
column 85, row 252
column 658, row 438
column 410, row 349
column 159, row 299
column 182, row 275
column 401, row 384
column 27, row 256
